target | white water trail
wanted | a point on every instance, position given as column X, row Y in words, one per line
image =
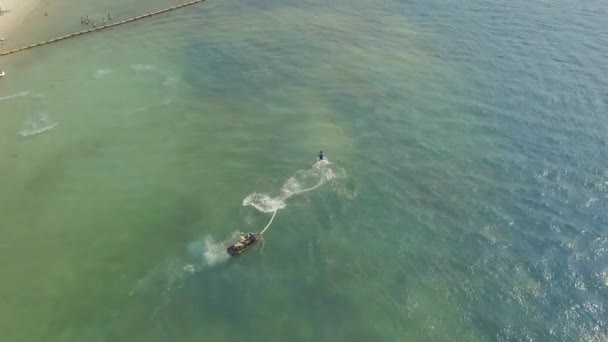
column 20, row 94
column 208, row 253
column 318, row 174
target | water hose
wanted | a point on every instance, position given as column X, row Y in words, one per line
column 274, row 213
column 269, row 222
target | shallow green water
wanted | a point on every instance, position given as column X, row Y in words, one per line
column 465, row 199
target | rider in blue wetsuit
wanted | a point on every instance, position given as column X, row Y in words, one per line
column 321, row 155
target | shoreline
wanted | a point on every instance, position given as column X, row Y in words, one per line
column 102, row 27
column 14, row 16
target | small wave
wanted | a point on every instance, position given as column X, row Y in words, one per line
column 20, row 94
column 143, row 67
column 99, row 73
column 590, row 202
column 190, row 268
column 595, row 337
column 33, row 129
column 170, row 82
column 38, row 126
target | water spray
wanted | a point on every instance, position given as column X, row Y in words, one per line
column 265, row 203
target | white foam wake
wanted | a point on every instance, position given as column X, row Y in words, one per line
column 302, row 181
column 214, row 253
column 208, row 252
column 264, row 202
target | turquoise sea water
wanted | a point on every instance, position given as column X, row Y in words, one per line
column 465, row 200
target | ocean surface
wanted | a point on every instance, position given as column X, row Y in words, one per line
column 465, row 197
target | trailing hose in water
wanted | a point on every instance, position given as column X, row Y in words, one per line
column 269, row 222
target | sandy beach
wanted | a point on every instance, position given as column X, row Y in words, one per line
column 13, row 15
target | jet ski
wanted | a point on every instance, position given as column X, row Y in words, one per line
column 2, row 73
column 244, row 242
